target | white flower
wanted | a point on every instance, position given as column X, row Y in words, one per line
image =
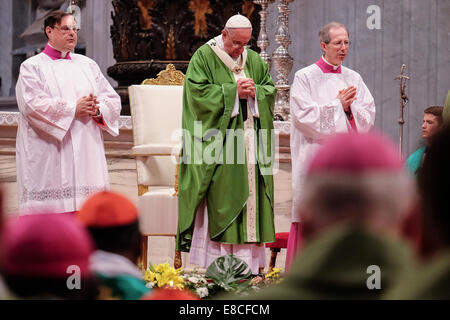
column 194, row 280
column 202, row 292
column 150, row 284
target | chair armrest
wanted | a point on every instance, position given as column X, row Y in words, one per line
column 150, row 150
column 154, row 149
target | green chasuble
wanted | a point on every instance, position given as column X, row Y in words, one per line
column 430, row 280
column 213, row 162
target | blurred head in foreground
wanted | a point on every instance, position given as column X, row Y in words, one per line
column 46, row 256
column 356, row 195
column 433, row 178
column 112, row 220
column 356, row 179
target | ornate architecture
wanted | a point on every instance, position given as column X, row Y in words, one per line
column 168, row 77
column 149, row 34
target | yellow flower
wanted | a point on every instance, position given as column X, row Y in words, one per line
column 164, row 275
column 274, row 274
column 149, row 276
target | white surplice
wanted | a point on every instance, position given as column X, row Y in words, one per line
column 316, row 113
column 61, row 159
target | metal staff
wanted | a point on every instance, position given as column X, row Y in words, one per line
column 403, row 101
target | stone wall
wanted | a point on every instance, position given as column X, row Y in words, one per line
column 6, row 47
column 414, row 32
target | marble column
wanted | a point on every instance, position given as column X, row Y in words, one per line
column 97, row 21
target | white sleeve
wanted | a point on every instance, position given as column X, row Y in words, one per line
column 235, row 111
column 109, row 101
column 363, row 108
column 43, row 112
column 312, row 119
column 253, row 105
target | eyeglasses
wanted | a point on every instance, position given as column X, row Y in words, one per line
column 67, row 29
column 237, row 44
column 339, row 44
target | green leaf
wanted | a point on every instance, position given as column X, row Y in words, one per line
column 228, row 271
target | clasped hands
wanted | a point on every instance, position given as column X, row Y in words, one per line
column 87, row 106
column 246, row 88
column 347, row 96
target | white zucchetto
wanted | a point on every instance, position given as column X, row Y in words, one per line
column 238, row 22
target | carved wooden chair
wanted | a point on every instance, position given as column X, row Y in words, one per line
column 156, row 109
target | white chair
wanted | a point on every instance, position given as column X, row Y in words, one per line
column 156, row 110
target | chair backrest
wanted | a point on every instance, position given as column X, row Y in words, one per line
column 156, row 116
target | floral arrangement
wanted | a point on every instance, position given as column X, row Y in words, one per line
column 163, row 275
column 273, row 277
column 224, row 275
column 199, row 284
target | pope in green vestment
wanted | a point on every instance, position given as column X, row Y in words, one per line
column 213, row 164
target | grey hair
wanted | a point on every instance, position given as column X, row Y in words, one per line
column 386, row 196
column 228, row 30
column 324, row 33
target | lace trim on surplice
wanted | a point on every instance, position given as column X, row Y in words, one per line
column 59, row 194
column 327, row 125
column 363, row 120
column 115, row 116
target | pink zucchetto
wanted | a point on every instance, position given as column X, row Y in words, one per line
column 356, row 153
column 45, row 245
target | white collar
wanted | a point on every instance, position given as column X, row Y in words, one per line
column 334, row 67
column 222, row 47
column 63, row 53
column 236, row 66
